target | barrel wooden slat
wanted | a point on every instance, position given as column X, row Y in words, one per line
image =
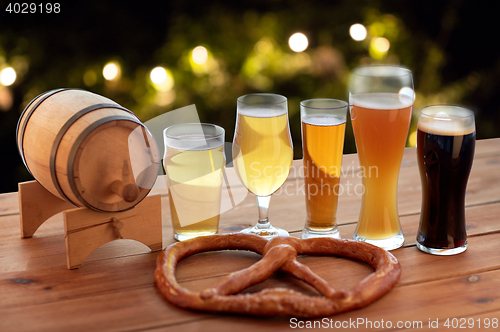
column 95, row 168
column 55, row 133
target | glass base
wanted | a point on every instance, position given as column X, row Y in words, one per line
column 267, row 232
column 308, row 233
column 388, row 244
column 187, row 236
column 443, row 251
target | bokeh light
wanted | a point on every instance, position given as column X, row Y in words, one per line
column 162, row 79
column 90, row 78
column 165, row 98
column 6, row 99
column 381, row 44
column 263, row 46
column 358, row 32
column 298, row 42
column 158, row 75
column 199, row 55
column 8, row 76
column 111, row 71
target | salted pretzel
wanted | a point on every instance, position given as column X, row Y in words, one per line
column 278, row 254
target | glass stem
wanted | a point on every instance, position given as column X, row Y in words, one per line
column 263, row 204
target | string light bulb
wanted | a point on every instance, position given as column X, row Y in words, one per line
column 358, row 32
column 8, row 76
column 298, row 42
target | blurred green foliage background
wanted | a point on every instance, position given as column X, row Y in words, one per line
column 450, row 46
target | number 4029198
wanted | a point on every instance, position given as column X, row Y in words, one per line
column 463, row 323
column 32, row 8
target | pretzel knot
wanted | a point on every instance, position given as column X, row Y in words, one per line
column 278, row 254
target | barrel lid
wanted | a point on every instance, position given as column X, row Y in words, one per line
column 25, row 116
column 117, row 149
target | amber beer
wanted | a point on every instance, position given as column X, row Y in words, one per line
column 323, row 129
column 262, row 150
column 446, row 139
column 194, row 164
column 322, row 162
column 380, row 122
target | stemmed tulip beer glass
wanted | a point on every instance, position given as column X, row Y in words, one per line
column 262, row 152
column 381, row 102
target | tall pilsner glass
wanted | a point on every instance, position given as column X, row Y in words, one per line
column 323, row 129
column 381, row 102
column 262, row 152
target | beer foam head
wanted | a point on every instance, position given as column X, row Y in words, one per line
column 446, row 120
column 381, row 71
column 323, row 120
column 324, row 109
column 262, row 112
column 381, row 101
column 194, row 136
column 262, row 105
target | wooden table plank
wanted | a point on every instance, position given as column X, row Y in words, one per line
column 413, row 303
column 144, row 309
column 114, row 289
column 9, row 204
column 52, row 284
column 126, row 310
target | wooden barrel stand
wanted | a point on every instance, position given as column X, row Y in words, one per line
column 84, row 229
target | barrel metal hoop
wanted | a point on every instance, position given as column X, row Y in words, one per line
column 28, row 116
column 62, row 132
column 74, row 151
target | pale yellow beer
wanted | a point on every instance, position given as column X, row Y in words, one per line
column 323, row 143
column 194, row 179
column 262, row 151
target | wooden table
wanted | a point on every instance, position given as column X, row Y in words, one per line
column 114, row 289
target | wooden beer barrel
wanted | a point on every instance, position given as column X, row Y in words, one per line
column 88, row 150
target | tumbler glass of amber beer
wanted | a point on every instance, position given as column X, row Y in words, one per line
column 262, row 152
column 323, row 129
column 381, row 102
column 194, row 162
column 446, row 138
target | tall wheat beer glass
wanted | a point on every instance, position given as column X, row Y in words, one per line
column 381, row 102
column 323, row 130
column 194, row 162
column 262, row 152
column 446, row 138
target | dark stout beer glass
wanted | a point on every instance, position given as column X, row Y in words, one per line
column 446, row 139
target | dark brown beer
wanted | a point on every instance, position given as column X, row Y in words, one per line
column 445, row 159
